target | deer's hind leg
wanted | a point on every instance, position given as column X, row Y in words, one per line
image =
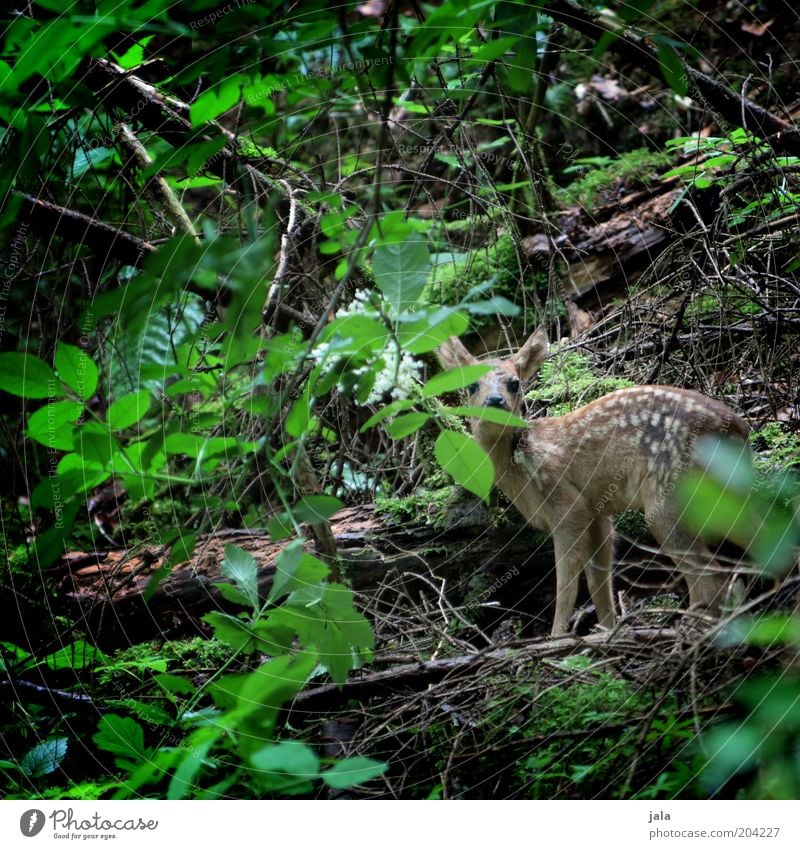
column 703, row 575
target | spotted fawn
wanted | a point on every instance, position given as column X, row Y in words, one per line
column 569, row 475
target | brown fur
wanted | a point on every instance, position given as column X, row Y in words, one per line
column 569, row 475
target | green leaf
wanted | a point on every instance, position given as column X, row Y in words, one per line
column 195, row 750
column 454, row 378
column 287, row 767
column 727, row 461
column 312, row 509
column 129, row 409
column 255, row 698
column 401, row 270
column 384, row 413
column 232, row 631
column 316, row 508
column 241, row 567
column 490, row 414
column 466, row 461
column 713, row 511
column 353, row 771
column 298, row 418
column 95, row 444
column 323, row 616
column 44, row 758
column 52, row 424
column 404, row 426
column 28, row 376
column 231, row 593
column 498, row 305
column 213, row 102
column 77, row 655
column 121, row 736
column 294, row 569
column 76, row 368
column 425, row 331
column 492, row 49
column 672, row 68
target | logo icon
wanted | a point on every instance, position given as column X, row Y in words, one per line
column 31, row 822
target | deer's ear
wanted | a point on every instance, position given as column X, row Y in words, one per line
column 452, row 353
column 532, row 354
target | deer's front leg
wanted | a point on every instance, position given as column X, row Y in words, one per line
column 572, row 556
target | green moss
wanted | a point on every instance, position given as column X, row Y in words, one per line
column 196, row 654
column 636, row 168
column 424, row 507
column 566, row 382
column 500, row 261
column 728, row 308
column 782, row 452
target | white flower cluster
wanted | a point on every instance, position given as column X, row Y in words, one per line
column 400, row 373
column 399, row 379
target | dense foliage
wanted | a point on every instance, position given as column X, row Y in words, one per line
column 235, row 235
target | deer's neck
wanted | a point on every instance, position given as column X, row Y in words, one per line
column 523, row 462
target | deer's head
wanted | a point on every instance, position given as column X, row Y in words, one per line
column 500, row 388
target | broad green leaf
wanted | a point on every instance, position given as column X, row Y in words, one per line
column 53, row 491
column 492, row 49
column 213, row 102
column 195, row 750
column 454, row 378
column 76, row 368
column 255, row 698
column 466, row 461
column 316, row 508
column 121, row 736
column 384, row 413
column 232, row 631
column 353, row 771
column 231, row 593
column 241, row 567
column 490, row 414
column 775, row 629
column 727, row 461
column 77, row 655
column 298, row 418
column 295, row 569
column 204, row 448
column 129, row 409
column 404, row 426
column 52, row 424
column 401, row 270
column 498, row 305
column 426, row 332
column 95, row 444
column 713, row 511
column 672, row 68
column 28, row 376
column 323, row 616
column 287, row 767
column 45, row 758
column 312, row 509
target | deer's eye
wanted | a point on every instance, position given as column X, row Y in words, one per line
column 513, row 386
column 472, row 388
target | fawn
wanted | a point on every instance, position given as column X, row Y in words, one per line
column 569, row 475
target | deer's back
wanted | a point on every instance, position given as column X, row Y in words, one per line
column 615, row 450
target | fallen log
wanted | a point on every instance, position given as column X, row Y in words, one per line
column 107, row 590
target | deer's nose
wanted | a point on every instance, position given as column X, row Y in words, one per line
column 495, row 401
